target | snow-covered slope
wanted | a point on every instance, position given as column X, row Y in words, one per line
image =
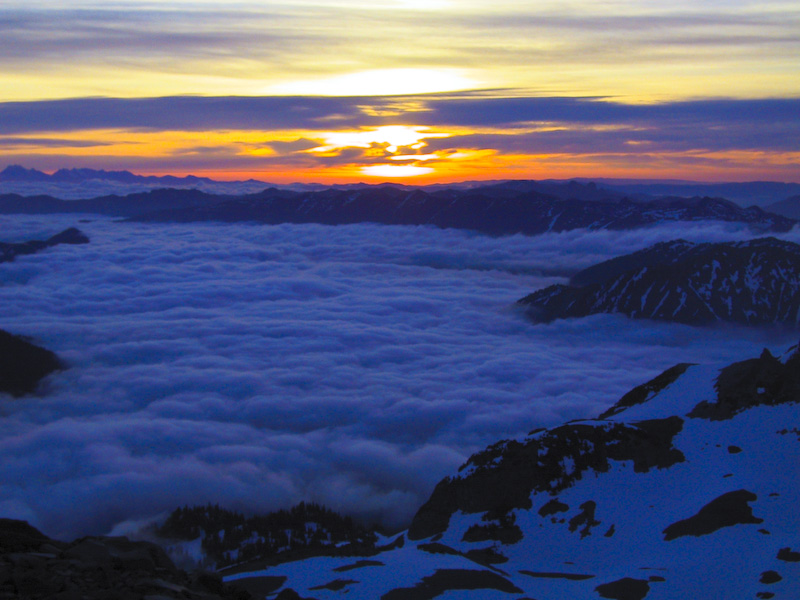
column 686, row 488
column 754, row 282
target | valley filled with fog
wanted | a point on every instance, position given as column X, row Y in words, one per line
column 258, row 366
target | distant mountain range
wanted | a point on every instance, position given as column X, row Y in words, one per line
column 113, row 205
column 758, row 193
column 788, row 208
column 19, row 173
column 685, row 488
column 78, row 184
column 84, row 183
column 498, row 209
column 755, row 283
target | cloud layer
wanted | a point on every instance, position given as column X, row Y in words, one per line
column 259, row 366
column 460, row 136
column 626, row 48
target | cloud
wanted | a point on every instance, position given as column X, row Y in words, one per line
column 288, row 41
column 530, row 124
column 179, row 113
column 38, row 142
column 143, row 35
column 257, row 366
column 467, row 134
column 480, row 111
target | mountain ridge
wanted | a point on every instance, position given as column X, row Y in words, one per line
column 756, row 282
column 663, row 496
column 493, row 213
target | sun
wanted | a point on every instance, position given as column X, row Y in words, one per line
column 393, row 171
column 394, row 136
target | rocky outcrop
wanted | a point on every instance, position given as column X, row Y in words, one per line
column 34, row 567
column 728, row 510
column 228, row 537
column 23, row 364
column 9, row 251
column 651, row 499
column 503, row 477
column 752, row 283
column 750, row 383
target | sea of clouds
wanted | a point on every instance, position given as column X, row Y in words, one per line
column 257, row 366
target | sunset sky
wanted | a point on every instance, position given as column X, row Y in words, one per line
column 413, row 90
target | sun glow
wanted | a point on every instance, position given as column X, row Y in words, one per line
column 380, row 82
column 393, row 136
column 392, row 171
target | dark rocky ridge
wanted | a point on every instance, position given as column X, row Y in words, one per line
column 753, row 283
column 494, row 210
column 754, row 382
column 642, row 393
column 115, row 206
column 35, row 567
column 651, row 500
column 9, row 251
column 229, row 537
column 502, row 477
column 498, row 209
column 444, row 580
column 23, row 364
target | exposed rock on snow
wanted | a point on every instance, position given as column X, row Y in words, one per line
column 649, row 501
column 753, row 283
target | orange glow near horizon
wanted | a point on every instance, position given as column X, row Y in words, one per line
column 391, row 136
column 322, row 91
column 392, row 171
column 494, row 167
column 392, row 153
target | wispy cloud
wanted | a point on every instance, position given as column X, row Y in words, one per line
column 187, row 133
column 625, row 49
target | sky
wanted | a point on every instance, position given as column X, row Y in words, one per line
column 259, row 366
column 418, row 91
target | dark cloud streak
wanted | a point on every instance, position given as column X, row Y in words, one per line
column 196, row 113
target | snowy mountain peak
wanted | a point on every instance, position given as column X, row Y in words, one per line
column 685, row 488
column 754, row 282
